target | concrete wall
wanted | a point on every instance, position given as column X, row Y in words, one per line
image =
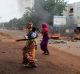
column 75, row 13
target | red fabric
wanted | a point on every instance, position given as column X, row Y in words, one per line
column 44, row 27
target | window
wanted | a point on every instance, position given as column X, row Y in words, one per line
column 71, row 10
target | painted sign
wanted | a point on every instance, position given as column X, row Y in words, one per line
column 59, row 20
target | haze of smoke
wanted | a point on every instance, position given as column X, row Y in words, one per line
column 41, row 13
column 23, row 4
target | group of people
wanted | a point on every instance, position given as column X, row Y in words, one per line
column 31, row 44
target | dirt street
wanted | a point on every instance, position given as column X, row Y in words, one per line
column 58, row 62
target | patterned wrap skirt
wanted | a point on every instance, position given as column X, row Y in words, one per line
column 29, row 51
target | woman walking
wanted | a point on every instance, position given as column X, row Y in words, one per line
column 29, row 49
column 45, row 39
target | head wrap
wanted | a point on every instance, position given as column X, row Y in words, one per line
column 44, row 27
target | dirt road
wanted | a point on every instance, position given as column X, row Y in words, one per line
column 58, row 62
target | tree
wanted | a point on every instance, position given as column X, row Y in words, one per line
column 46, row 9
column 54, row 7
column 42, row 11
column 15, row 23
column 31, row 15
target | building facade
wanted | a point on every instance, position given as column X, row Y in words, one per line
column 72, row 11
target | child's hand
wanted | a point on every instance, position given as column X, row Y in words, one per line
column 26, row 37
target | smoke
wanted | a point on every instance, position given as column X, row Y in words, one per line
column 41, row 13
column 22, row 4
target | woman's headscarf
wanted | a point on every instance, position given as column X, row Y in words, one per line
column 44, row 27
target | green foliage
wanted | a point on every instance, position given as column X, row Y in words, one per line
column 30, row 15
column 42, row 11
column 54, row 7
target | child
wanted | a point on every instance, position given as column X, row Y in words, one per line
column 45, row 39
column 29, row 50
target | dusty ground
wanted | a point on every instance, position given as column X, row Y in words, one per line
column 69, row 46
column 58, row 62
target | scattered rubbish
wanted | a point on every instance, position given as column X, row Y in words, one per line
column 57, row 41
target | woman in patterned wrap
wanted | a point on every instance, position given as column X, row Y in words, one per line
column 29, row 49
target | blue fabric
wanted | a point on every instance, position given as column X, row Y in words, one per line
column 32, row 35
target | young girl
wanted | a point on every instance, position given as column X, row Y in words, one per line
column 29, row 49
column 45, row 39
